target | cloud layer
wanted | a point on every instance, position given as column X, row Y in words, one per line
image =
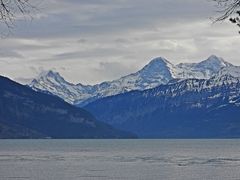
column 96, row 40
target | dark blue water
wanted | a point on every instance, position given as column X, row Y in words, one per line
column 120, row 159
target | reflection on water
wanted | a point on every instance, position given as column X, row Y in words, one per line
column 119, row 159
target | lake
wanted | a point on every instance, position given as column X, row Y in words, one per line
column 119, row 159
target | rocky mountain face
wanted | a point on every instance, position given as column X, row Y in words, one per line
column 158, row 72
column 25, row 113
column 184, row 108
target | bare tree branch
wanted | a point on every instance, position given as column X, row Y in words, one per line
column 10, row 10
column 229, row 9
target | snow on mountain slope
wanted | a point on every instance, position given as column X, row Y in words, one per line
column 227, row 75
column 203, row 70
column 158, row 71
column 54, row 83
column 192, row 105
column 233, row 71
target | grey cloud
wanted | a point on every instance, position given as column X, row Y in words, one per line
column 97, row 52
column 97, row 40
column 104, row 16
column 114, row 69
column 10, row 54
column 82, row 41
column 65, row 56
column 122, row 41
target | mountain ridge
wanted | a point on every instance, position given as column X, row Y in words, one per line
column 158, row 71
column 191, row 108
column 25, row 113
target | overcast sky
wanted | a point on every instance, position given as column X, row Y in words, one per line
column 89, row 41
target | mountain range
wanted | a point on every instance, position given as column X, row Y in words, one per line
column 159, row 71
column 162, row 100
column 25, row 113
column 191, row 108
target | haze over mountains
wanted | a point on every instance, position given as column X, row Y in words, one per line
column 159, row 71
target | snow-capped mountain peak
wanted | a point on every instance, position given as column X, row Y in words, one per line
column 157, row 72
column 157, row 65
column 50, row 76
column 204, row 69
column 54, row 83
column 213, row 63
column 157, row 62
column 49, row 73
